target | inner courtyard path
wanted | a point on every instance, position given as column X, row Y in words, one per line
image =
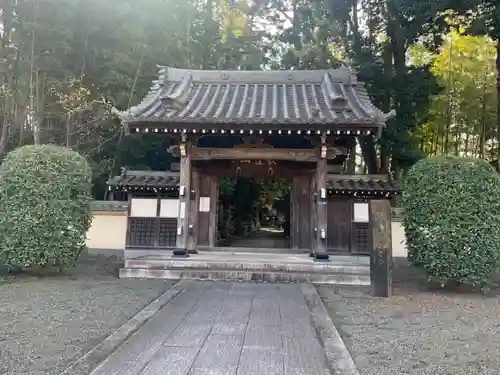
column 268, row 238
column 222, row 328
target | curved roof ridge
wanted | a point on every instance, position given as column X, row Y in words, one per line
column 278, row 99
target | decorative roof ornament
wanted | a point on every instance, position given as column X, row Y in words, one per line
column 179, row 97
column 336, row 98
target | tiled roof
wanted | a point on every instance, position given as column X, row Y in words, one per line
column 203, row 97
column 112, row 206
column 365, row 184
column 146, row 179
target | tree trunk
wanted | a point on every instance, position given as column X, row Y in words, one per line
column 402, row 99
column 7, row 8
column 351, row 161
column 386, row 107
column 498, row 103
column 207, row 47
column 69, row 130
column 369, row 154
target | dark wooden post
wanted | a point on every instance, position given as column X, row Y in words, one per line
column 184, row 199
column 313, row 217
column 193, row 214
column 321, row 252
column 294, row 214
column 214, row 210
column 381, row 254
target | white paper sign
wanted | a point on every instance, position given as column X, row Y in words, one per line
column 182, row 212
column 204, row 204
column 143, row 207
column 169, row 208
column 361, row 213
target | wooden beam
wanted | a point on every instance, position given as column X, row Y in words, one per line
column 259, row 153
column 358, row 177
column 321, row 252
column 184, row 201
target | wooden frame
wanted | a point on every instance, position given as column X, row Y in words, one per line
column 155, row 220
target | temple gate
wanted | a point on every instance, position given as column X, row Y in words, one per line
column 299, row 125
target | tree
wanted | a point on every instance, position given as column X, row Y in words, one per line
column 479, row 17
column 45, row 194
column 451, row 219
column 463, row 114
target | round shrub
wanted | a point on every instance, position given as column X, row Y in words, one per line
column 452, row 219
column 45, row 194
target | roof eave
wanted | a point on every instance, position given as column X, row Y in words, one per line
column 242, row 124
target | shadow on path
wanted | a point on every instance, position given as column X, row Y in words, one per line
column 268, row 238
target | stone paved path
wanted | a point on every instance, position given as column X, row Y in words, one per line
column 224, row 329
column 268, row 238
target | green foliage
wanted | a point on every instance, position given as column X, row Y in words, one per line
column 463, row 115
column 45, row 194
column 452, row 219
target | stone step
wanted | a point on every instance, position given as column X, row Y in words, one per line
column 252, row 265
column 245, row 275
column 254, row 250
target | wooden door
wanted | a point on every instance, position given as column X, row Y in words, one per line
column 339, row 225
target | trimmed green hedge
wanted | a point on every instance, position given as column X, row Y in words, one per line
column 45, row 196
column 452, row 219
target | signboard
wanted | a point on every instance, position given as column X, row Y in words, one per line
column 264, row 167
column 361, row 213
column 143, row 207
column 169, row 208
column 204, row 204
column 182, row 211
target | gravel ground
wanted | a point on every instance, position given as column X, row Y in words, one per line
column 417, row 331
column 47, row 323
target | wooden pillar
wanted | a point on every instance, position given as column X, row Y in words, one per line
column 294, row 214
column 313, row 216
column 381, row 254
column 184, row 200
column 321, row 252
column 214, row 210
column 193, row 214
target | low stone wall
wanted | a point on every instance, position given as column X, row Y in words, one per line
column 109, row 228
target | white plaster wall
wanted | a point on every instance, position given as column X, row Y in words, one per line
column 398, row 239
column 107, row 231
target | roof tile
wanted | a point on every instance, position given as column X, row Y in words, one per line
column 148, row 179
column 249, row 97
column 352, row 185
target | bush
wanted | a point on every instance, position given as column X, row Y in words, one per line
column 452, row 219
column 45, row 194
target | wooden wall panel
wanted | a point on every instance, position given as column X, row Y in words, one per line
column 339, row 225
column 213, row 221
column 294, row 214
column 204, row 217
column 300, row 213
column 304, row 238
